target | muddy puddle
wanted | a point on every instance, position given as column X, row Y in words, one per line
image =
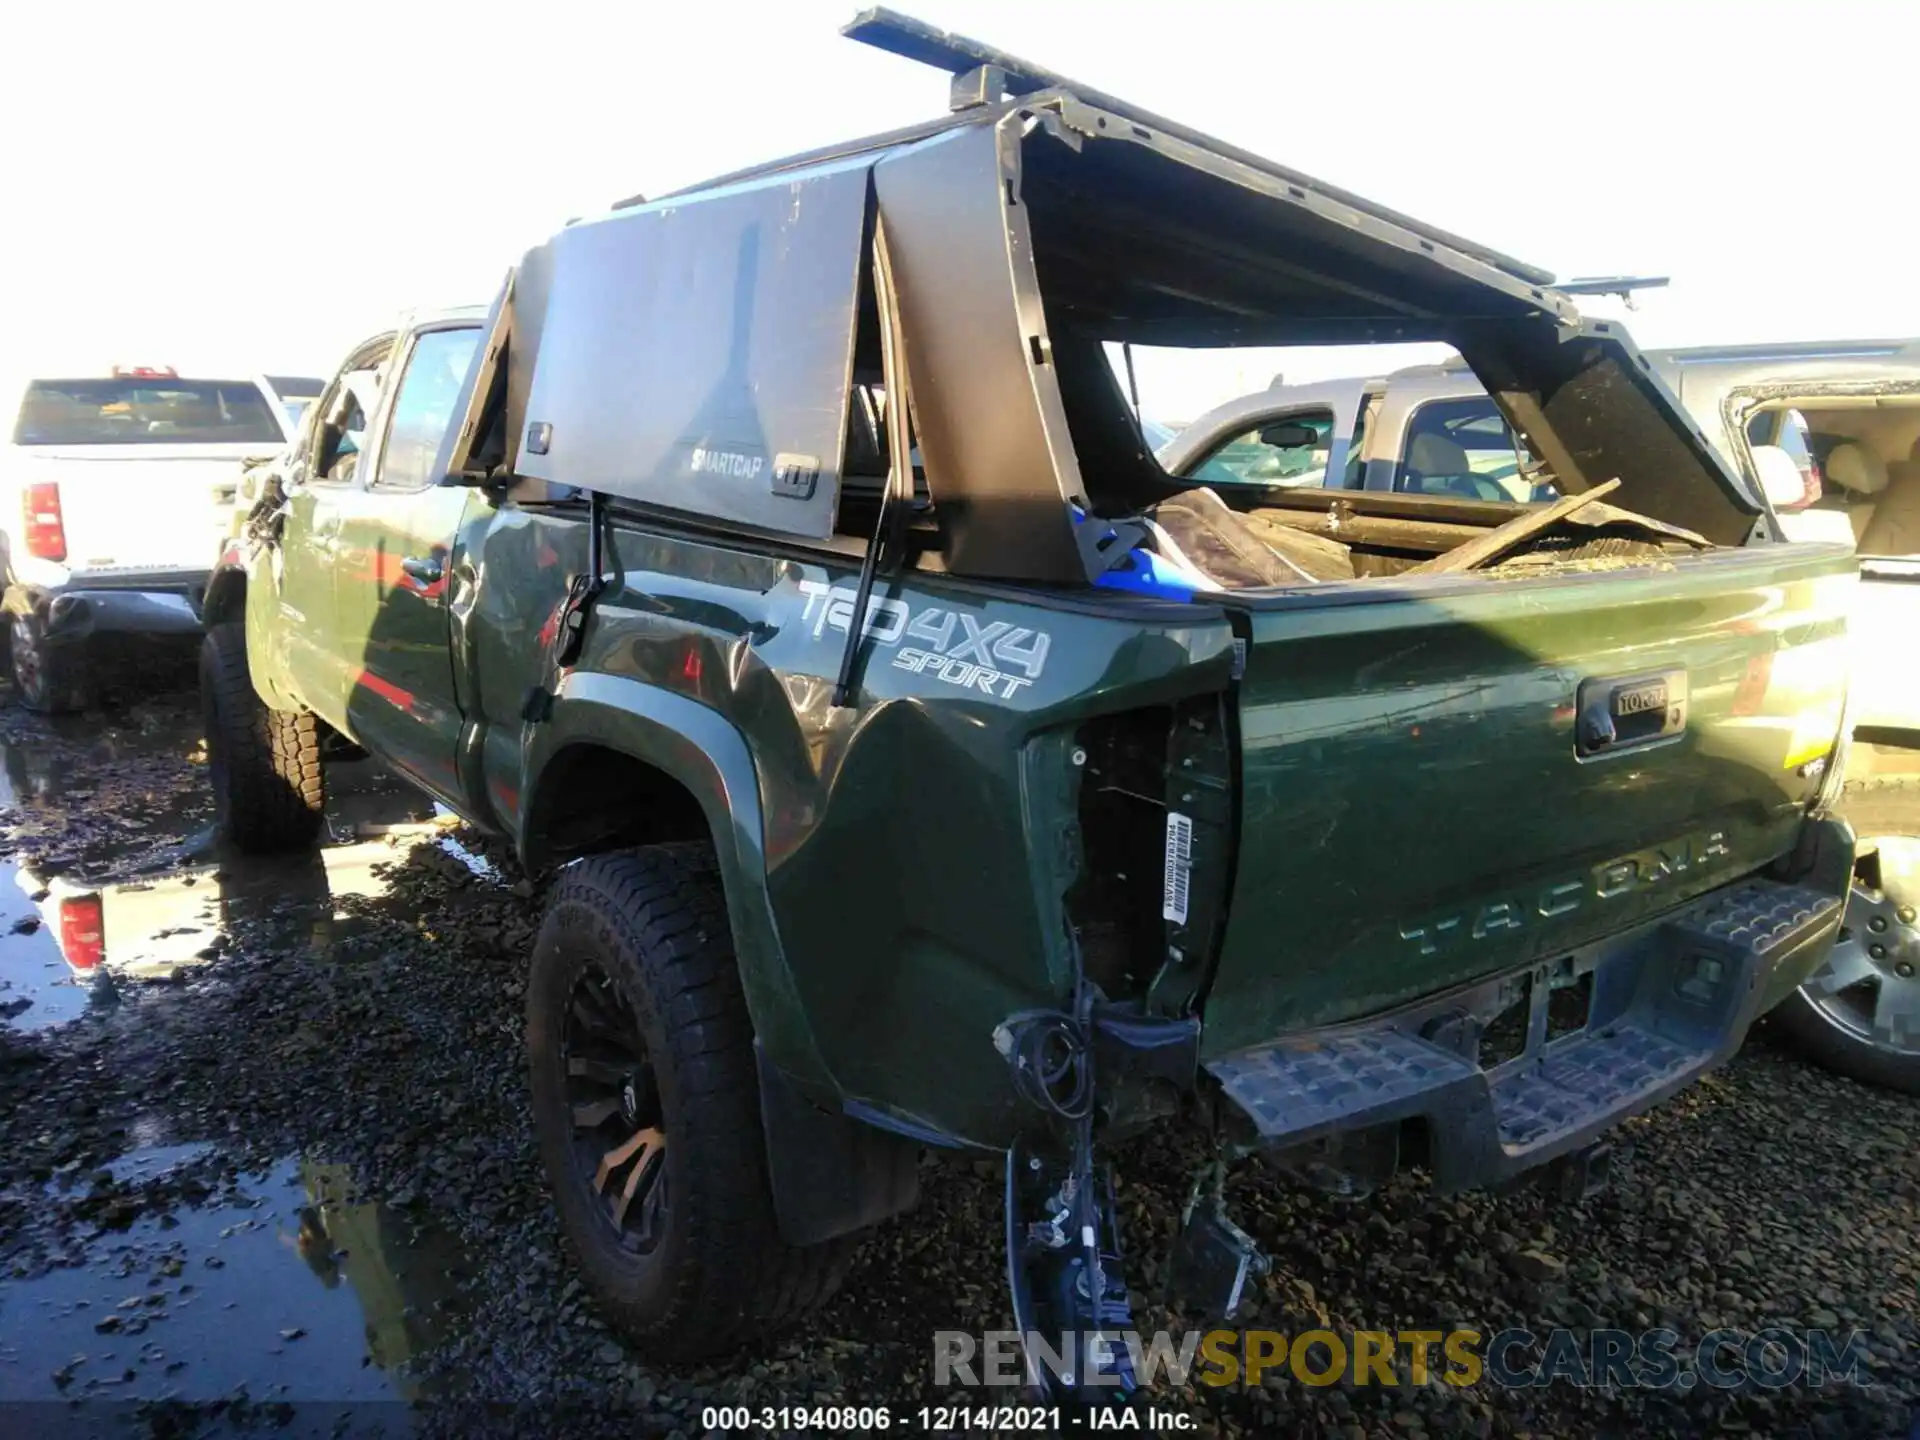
column 284, row 1285
column 180, row 1293
column 154, row 1288
column 86, row 912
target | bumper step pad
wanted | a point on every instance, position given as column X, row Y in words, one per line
column 1588, row 1082
column 1303, row 1089
column 1667, row 1003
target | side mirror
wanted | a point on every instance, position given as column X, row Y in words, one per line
column 1780, row 478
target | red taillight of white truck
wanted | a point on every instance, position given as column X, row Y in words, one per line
column 46, row 532
column 82, row 931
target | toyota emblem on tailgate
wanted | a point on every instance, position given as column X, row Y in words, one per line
column 1622, row 712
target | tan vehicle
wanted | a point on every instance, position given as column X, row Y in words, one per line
column 1830, row 434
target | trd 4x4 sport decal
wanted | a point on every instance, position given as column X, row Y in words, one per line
column 954, row 646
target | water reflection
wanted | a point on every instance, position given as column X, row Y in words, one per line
column 204, row 1301
column 34, row 771
column 287, row 1285
column 403, row 1276
column 68, row 939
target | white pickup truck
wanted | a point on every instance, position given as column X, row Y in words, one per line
column 115, row 492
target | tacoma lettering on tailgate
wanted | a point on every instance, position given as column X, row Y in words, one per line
column 1608, row 881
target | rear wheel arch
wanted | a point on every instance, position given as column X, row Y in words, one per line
column 591, row 798
column 694, row 767
column 642, row 1072
column 48, row 676
column 605, row 806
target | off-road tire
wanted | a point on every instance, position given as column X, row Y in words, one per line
column 1889, row 806
column 50, row 680
column 269, row 785
column 654, row 921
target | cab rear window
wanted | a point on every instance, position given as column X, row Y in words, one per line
column 145, row 411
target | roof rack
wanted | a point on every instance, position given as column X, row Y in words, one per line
column 1622, row 285
column 984, row 76
column 1791, row 350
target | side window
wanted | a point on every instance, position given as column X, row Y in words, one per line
column 340, row 427
column 1288, row 452
column 1465, row 448
column 422, row 407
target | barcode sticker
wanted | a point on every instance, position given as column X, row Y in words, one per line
column 1173, row 894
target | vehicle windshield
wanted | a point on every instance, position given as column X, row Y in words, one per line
column 1287, row 453
column 1157, row 435
column 145, row 411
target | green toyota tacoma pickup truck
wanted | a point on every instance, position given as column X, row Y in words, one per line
column 1425, row 830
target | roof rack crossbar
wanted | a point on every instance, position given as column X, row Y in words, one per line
column 960, row 57
column 1621, row 285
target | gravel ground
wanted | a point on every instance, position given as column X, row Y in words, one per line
column 297, row 1168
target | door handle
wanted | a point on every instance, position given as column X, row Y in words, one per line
column 427, row 570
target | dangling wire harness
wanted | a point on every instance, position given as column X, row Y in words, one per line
column 1051, row 1056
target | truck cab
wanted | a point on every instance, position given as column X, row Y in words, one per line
column 363, row 529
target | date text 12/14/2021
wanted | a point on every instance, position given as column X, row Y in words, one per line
column 936, row 1419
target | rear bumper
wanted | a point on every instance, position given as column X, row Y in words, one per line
column 1668, row 1002
column 167, row 603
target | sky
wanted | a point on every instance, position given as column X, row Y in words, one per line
column 258, row 186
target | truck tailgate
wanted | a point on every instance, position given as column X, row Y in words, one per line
column 140, row 507
column 1416, row 808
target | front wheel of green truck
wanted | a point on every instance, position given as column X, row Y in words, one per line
column 1859, row 1014
column 646, row 1108
column 269, row 788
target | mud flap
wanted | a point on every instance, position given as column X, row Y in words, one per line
column 830, row 1175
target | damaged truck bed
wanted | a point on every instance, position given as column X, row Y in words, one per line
column 1360, row 830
